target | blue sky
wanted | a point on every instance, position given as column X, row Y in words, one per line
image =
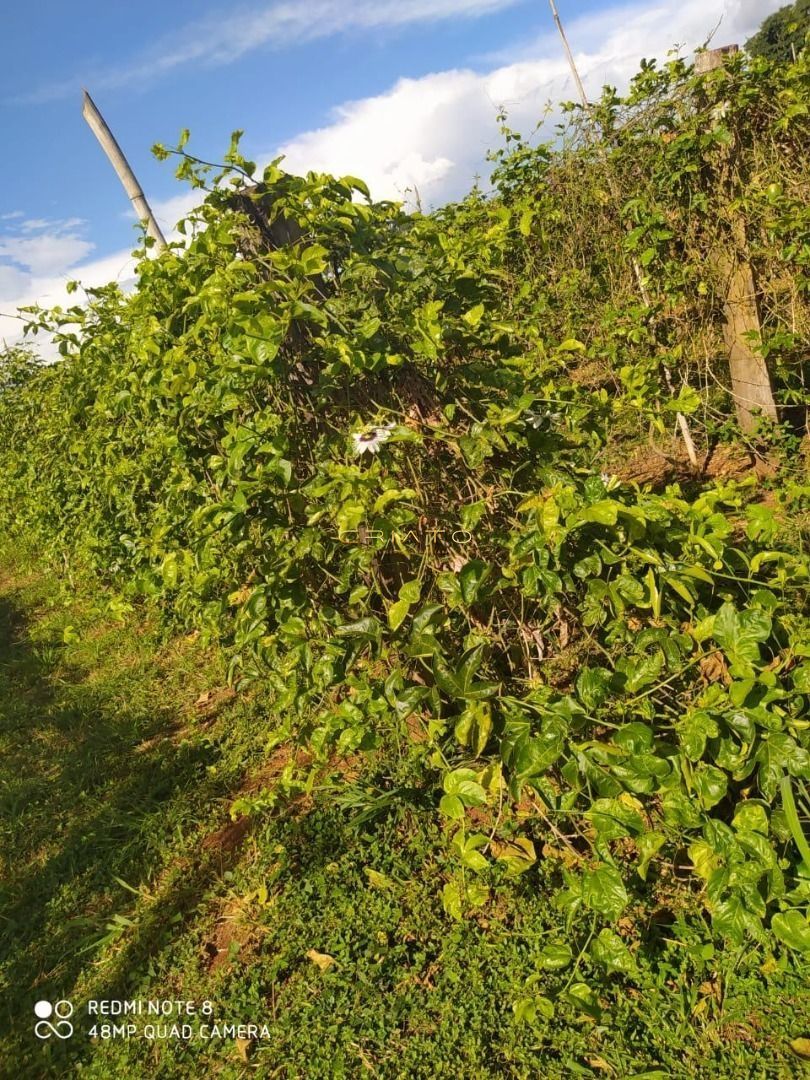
column 403, row 92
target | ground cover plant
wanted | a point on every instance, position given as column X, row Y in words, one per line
column 505, row 662
column 125, row 877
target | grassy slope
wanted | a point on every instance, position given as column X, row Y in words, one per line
column 108, row 771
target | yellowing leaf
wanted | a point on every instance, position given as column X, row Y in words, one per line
column 377, row 880
column 800, row 1047
column 517, row 854
column 474, row 315
column 397, row 613
column 321, row 960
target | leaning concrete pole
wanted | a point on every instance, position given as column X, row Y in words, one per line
column 98, row 126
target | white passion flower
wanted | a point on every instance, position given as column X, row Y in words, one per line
column 536, row 419
column 370, row 440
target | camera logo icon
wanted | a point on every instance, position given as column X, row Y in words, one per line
column 61, row 1027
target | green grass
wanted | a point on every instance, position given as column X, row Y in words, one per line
column 123, row 877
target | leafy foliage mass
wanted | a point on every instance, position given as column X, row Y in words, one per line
column 123, row 879
column 380, row 461
column 783, row 33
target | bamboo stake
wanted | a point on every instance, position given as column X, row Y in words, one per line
column 686, row 434
column 110, row 146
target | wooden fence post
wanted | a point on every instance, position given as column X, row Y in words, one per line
column 750, row 380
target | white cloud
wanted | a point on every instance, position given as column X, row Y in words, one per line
column 46, row 254
column 33, row 224
column 13, row 282
column 50, row 290
column 40, row 224
column 432, row 133
column 223, row 38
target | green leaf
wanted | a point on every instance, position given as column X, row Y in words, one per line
column 603, row 512
column 731, row 919
column 314, row 260
column 349, row 516
column 643, row 671
column 635, row 737
column 793, row 930
column 452, row 807
column 357, row 184
column 534, row 755
column 368, row 628
column 710, row 785
column 392, row 495
column 397, row 613
column 473, row 316
column 452, row 900
column 517, row 855
column 750, row 817
column 474, row 726
column 555, row 957
column 471, row 577
column 693, row 731
column 612, row 954
column 603, row 891
column 593, row 686
column 466, row 848
column 801, row 1047
column 801, row 679
column 461, row 683
column 427, row 619
column 472, row 513
column 739, row 635
column 525, row 221
column 613, row 819
column 531, row 1010
column 464, row 784
column 411, row 591
column 792, row 818
column 581, row 996
column 476, row 893
column 648, row 845
column 377, row 880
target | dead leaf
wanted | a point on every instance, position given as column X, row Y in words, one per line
column 240, row 596
column 563, row 627
column 600, row 1063
column 532, row 636
column 800, row 1047
column 713, row 668
column 243, row 1047
column 211, row 701
column 322, row 960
